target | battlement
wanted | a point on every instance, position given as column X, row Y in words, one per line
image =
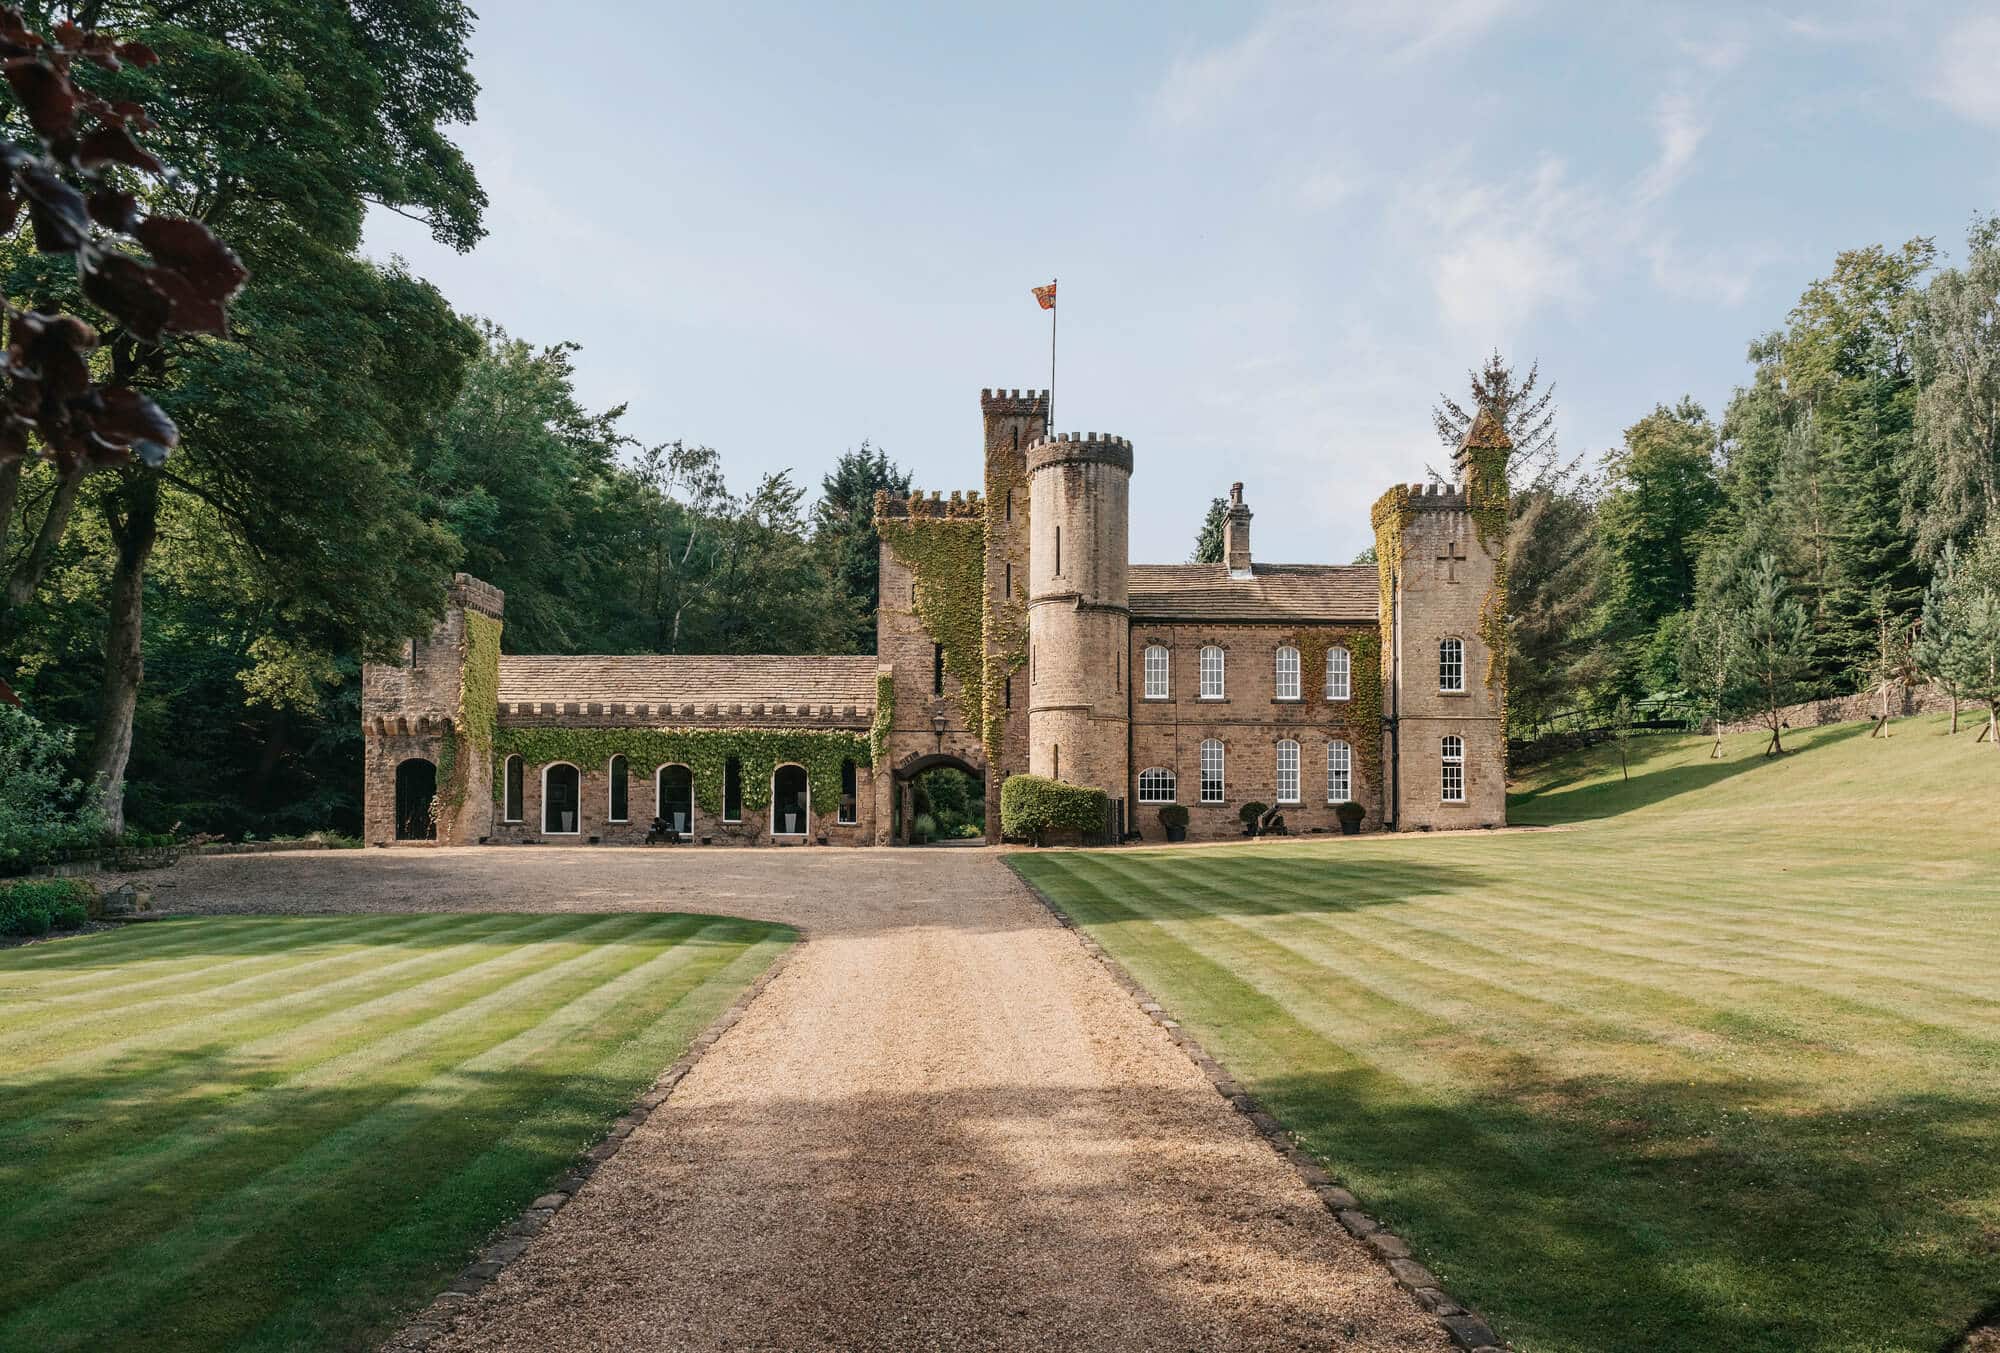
column 1002, row 401
column 475, row 595
column 1069, row 447
column 1437, row 498
column 961, row 506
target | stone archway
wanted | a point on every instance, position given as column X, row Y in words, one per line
column 416, row 789
column 904, row 787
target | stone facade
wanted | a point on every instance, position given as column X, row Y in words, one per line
column 1084, row 667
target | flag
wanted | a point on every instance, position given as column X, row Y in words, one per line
column 1046, row 296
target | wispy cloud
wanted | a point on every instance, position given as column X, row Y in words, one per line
column 1967, row 75
column 1680, row 126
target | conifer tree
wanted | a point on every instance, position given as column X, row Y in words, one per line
column 1773, row 643
column 1208, row 540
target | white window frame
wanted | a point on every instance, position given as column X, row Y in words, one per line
column 609, row 777
column 806, row 813
column 546, row 829
column 512, row 809
column 1288, row 767
column 1339, row 674
column 1159, row 667
column 1158, row 784
column 844, row 815
column 1220, row 758
column 1339, row 771
column 1451, row 665
column 1220, row 691
column 1288, row 686
column 660, row 790
column 1451, row 768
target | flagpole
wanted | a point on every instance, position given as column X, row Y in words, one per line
column 1052, row 357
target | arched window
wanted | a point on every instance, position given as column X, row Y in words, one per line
column 1156, row 786
column 790, row 801
column 1451, row 665
column 1211, row 771
column 1339, row 772
column 559, row 800
column 1452, row 757
column 1158, row 684
column 1288, row 771
column 673, row 792
column 416, row 789
column 1288, row 673
column 1211, row 673
column 732, row 790
column 510, row 802
column 620, row 805
column 1339, row 674
column 850, row 806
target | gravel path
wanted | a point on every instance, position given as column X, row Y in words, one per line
column 941, row 1126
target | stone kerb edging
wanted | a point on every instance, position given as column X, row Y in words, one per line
column 420, row 1330
column 1467, row 1328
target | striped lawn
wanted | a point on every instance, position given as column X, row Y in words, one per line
column 287, row 1132
column 1716, row 1067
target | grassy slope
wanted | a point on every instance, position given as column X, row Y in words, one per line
column 284, row 1132
column 1717, row 1067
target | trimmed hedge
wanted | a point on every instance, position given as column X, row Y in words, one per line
column 36, row 906
column 1033, row 804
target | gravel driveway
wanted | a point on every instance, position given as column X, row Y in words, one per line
column 942, row 1126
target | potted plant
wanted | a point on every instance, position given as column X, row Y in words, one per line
column 1174, row 818
column 1250, row 812
column 923, row 829
column 1350, row 814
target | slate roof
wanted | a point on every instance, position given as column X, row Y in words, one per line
column 1277, row 593
column 725, row 680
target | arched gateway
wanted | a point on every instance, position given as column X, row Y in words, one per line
column 904, row 787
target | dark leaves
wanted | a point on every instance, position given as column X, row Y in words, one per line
column 62, row 220
column 126, row 418
column 113, row 210
column 112, row 144
column 46, row 95
column 210, row 266
column 125, row 287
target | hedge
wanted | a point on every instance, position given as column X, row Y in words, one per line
column 35, row 906
column 1033, row 804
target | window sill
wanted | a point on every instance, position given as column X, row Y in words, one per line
column 1211, row 699
column 1156, row 699
column 1288, row 700
column 1461, row 692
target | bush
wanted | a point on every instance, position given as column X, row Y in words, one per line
column 924, row 828
column 1250, row 812
column 1174, row 815
column 1033, row 804
column 34, row 906
column 1347, row 810
column 44, row 813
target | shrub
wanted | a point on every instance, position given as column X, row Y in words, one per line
column 1347, row 810
column 1033, row 804
column 1174, row 815
column 924, row 828
column 44, row 812
column 34, row 906
column 1251, row 811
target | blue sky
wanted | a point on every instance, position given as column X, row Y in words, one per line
column 1280, row 231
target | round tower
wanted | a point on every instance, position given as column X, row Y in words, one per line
column 1079, row 610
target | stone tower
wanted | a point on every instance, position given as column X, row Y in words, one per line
column 1014, row 420
column 1079, row 612
column 1441, row 549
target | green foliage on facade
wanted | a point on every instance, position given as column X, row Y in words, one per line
column 1004, row 623
column 947, row 557
column 704, row 751
column 478, row 710
column 885, row 718
column 1033, row 804
column 1390, row 517
column 1361, row 713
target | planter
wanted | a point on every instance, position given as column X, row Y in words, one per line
column 791, row 824
column 1176, row 833
column 1350, row 828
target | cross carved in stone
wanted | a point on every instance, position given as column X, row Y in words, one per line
column 1450, row 559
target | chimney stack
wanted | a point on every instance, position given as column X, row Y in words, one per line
column 1236, row 534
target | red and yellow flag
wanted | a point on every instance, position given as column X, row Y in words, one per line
column 1046, row 296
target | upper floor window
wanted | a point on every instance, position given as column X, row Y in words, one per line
column 1211, row 673
column 1339, row 674
column 1451, row 665
column 937, row 669
column 1288, row 771
column 1156, row 672
column 1339, row 772
column 850, row 802
column 1156, row 786
column 1452, row 758
column 1288, row 673
column 510, row 804
column 1211, row 771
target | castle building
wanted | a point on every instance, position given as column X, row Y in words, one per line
column 1013, row 634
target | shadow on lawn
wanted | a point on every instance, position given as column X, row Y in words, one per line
column 1568, row 799
column 1270, row 880
column 1614, row 1216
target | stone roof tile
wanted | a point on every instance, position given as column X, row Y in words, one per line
column 724, row 679
column 1273, row 593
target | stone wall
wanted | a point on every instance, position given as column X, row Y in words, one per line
column 643, row 805
column 1925, row 699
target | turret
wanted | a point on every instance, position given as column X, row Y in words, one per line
column 1079, row 611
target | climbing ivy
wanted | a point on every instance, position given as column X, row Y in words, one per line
column 1486, row 500
column 947, row 556
column 1003, row 621
column 1390, row 517
column 1361, row 712
column 885, row 718
column 473, row 720
column 704, row 751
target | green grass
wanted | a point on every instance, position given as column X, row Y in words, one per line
column 288, row 1132
column 1715, row 1067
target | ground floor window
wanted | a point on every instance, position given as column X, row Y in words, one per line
column 510, row 806
column 1156, row 786
column 620, row 804
column 559, row 800
column 732, row 790
column 1288, row 771
column 416, row 787
column 788, row 801
column 1453, row 758
column 676, row 798
column 1211, row 771
column 1339, row 772
column 850, row 807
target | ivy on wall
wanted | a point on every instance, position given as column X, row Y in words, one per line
column 1361, row 712
column 704, row 751
column 885, row 718
column 473, row 721
column 1486, row 499
column 1003, row 622
column 1390, row 517
column 947, row 557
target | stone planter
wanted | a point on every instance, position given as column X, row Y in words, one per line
column 1176, row 833
column 1350, row 828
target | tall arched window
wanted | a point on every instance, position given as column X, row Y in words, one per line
column 1451, row 665
column 1339, row 772
column 1156, row 785
column 1288, row 673
column 673, row 791
column 1211, row 771
column 560, row 813
column 1288, row 771
column 1339, row 674
column 791, row 807
column 620, row 810
column 510, row 802
column 1157, row 683
column 850, row 805
column 1211, row 673
column 1452, row 757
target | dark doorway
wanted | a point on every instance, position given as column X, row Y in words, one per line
column 559, row 798
column 789, row 803
column 416, row 788
column 677, row 798
column 949, row 805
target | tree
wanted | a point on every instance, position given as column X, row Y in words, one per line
column 1773, row 644
column 1895, row 663
column 1709, row 665
column 43, row 808
column 1953, row 486
column 1621, row 732
column 1525, row 410
column 1938, row 632
column 1208, row 542
column 1555, row 581
column 844, row 530
column 1975, row 658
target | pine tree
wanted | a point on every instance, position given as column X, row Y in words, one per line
column 844, row 528
column 1939, row 629
column 1208, row 540
column 1773, row 643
